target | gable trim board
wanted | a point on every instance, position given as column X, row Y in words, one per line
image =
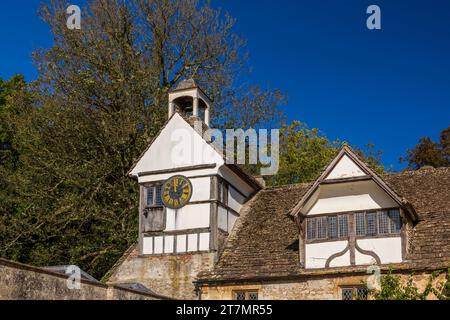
column 369, row 174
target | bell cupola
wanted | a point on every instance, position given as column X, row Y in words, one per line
column 190, row 101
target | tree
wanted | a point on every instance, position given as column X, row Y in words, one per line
column 7, row 90
column 100, row 97
column 429, row 153
column 304, row 154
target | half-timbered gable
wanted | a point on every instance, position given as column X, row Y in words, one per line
column 350, row 216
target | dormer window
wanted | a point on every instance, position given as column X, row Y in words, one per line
column 367, row 224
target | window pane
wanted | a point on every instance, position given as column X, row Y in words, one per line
column 371, row 223
column 253, row 296
column 150, row 196
column 383, row 222
column 158, row 198
column 396, row 222
column 239, row 295
column 361, row 224
column 343, row 225
column 311, row 228
column 347, row 294
column 322, row 227
column 332, row 227
column 361, row 293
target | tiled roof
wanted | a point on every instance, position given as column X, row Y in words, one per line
column 264, row 241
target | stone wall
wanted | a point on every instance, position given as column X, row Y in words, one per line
column 23, row 282
column 320, row 288
column 168, row 275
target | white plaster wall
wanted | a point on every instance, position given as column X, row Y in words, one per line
column 147, row 245
column 201, row 189
column 316, row 254
column 158, row 245
column 362, row 259
column 178, row 145
column 168, row 244
column 191, row 241
column 388, row 249
column 352, row 196
column 170, row 220
column 341, row 261
column 188, row 217
column 204, row 241
column 235, row 199
column 345, row 168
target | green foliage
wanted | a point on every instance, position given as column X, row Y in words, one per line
column 304, row 153
column 393, row 288
column 429, row 153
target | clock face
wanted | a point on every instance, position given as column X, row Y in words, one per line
column 177, row 192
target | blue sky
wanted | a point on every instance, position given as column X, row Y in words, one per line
column 388, row 87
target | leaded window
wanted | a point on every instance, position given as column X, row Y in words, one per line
column 311, row 229
column 367, row 224
column 354, row 293
column 153, row 196
column 332, row 227
column 371, row 218
column 360, row 221
column 239, row 295
column 347, row 294
column 253, row 296
column 383, row 222
column 378, row 223
column 245, row 295
column 396, row 222
column 343, row 225
column 322, row 227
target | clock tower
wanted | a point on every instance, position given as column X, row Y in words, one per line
column 187, row 208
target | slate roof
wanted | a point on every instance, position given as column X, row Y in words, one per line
column 264, row 241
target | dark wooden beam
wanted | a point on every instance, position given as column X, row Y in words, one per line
column 181, row 169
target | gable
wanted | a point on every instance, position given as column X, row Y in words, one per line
column 345, row 168
column 177, row 145
column 346, row 197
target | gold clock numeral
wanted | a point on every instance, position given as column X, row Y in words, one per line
column 176, row 199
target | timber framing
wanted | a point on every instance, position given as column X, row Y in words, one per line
column 369, row 175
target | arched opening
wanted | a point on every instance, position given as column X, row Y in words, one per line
column 184, row 105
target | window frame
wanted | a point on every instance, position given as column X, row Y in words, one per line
column 154, row 188
column 354, row 289
column 353, row 215
column 246, row 293
column 326, row 217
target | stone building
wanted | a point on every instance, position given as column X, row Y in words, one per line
column 208, row 230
